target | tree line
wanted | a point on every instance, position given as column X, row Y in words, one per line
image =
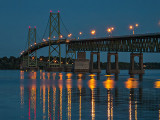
column 7, row 63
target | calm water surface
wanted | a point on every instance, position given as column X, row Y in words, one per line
column 59, row 96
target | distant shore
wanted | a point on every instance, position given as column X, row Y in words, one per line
column 13, row 63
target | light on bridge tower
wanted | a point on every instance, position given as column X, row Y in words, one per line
column 54, row 50
column 32, row 56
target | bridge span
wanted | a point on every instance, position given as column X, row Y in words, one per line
column 128, row 43
column 136, row 44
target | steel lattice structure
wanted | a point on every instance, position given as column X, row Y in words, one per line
column 54, row 30
column 32, row 56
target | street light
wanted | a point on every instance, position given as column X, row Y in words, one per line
column 69, row 35
column 61, row 36
column 109, row 30
column 131, row 27
column 93, row 32
column 80, row 33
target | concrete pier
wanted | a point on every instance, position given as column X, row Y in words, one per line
column 81, row 63
column 92, row 69
column 134, row 71
column 109, row 70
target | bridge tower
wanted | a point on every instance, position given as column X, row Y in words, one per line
column 32, row 56
column 54, row 50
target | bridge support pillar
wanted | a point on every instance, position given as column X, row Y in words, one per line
column 81, row 64
column 109, row 70
column 92, row 69
column 132, row 70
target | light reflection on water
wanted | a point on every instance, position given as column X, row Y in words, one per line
column 70, row 96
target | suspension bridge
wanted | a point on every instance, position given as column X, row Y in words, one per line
column 135, row 44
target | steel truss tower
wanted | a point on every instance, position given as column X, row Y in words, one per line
column 70, row 56
column 32, row 56
column 54, row 31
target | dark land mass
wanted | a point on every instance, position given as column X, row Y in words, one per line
column 13, row 63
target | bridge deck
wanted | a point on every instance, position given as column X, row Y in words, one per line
column 130, row 43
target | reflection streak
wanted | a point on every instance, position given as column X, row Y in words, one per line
column 92, row 86
column 79, row 84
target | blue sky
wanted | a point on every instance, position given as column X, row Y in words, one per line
column 82, row 15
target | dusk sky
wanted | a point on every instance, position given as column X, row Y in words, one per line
column 82, row 15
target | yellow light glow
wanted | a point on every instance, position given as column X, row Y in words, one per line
column 92, row 82
column 157, row 84
column 93, row 32
column 80, row 33
column 131, row 83
column 61, row 36
column 69, row 75
column 137, row 25
column 44, row 40
column 69, row 35
column 33, row 58
column 112, row 28
column 109, row 30
column 130, row 27
column 109, row 83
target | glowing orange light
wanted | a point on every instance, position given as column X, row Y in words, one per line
column 44, row 40
column 67, row 41
column 80, row 33
column 130, row 27
column 41, row 59
column 69, row 75
column 69, row 83
column 79, row 82
column 157, row 84
column 93, row 32
column 109, row 83
column 109, row 30
column 92, row 82
column 60, row 81
column 137, row 25
column 61, row 36
column 131, row 83
column 112, row 28
column 33, row 58
column 69, row 35
column 35, row 43
column 54, row 36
